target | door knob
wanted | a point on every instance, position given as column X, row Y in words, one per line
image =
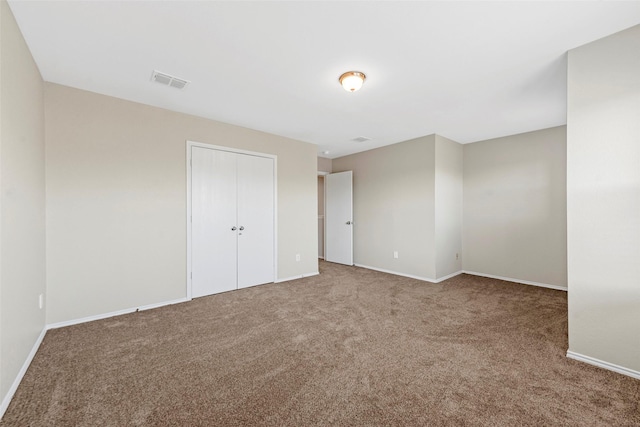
column 233, row 228
column 241, row 227
column 348, row 222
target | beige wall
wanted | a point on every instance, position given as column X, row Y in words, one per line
column 22, row 202
column 325, row 165
column 500, row 204
column 116, row 201
column 448, row 205
column 514, row 216
column 603, row 183
column 393, row 205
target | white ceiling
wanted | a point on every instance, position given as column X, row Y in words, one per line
column 465, row 70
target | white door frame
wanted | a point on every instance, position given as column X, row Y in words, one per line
column 323, row 174
column 191, row 144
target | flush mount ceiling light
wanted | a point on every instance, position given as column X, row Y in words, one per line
column 351, row 81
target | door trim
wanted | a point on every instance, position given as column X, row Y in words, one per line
column 189, row 145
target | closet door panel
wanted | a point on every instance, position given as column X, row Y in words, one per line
column 214, row 214
column 256, row 218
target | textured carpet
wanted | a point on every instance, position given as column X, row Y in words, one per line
column 348, row 347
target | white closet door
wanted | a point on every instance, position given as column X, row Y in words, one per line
column 255, row 220
column 213, row 209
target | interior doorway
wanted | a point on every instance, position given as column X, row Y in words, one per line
column 321, row 224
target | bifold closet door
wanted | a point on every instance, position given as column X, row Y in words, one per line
column 232, row 224
column 255, row 220
column 214, row 216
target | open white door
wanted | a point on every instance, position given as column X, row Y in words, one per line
column 339, row 217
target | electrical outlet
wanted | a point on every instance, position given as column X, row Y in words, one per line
column 297, row 257
column 395, row 254
column 41, row 301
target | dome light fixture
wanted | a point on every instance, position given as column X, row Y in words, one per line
column 351, row 81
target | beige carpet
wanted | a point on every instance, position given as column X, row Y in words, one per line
column 349, row 347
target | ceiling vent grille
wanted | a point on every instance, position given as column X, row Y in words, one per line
column 361, row 139
column 168, row 80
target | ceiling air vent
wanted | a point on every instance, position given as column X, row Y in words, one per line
column 361, row 139
column 168, row 80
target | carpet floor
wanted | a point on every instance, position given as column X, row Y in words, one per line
column 349, row 347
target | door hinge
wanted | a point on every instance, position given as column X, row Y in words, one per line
column 192, row 274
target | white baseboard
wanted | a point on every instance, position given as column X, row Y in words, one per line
column 14, row 387
column 145, row 307
column 412, row 276
column 605, row 365
column 113, row 313
column 300, row 276
column 397, row 273
column 449, row 276
column 524, row 282
column 473, row 273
